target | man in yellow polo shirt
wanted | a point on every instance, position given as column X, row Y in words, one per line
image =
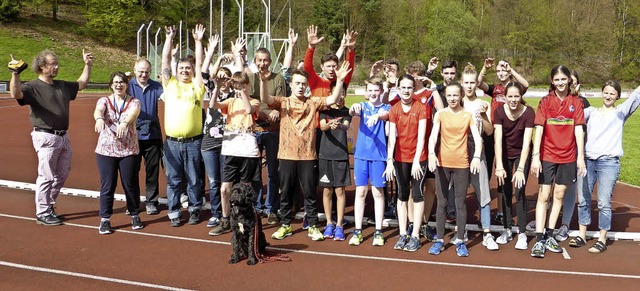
column 183, row 95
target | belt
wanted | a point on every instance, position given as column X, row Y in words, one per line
column 184, row 139
column 51, row 131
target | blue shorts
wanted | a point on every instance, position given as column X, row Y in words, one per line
column 365, row 170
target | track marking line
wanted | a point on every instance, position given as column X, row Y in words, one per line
column 87, row 276
column 565, row 254
column 363, row 257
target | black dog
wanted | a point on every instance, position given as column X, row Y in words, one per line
column 247, row 239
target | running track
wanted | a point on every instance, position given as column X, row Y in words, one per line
column 74, row 256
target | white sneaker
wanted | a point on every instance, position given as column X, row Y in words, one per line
column 521, row 243
column 489, row 242
column 504, row 237
column 465, row 238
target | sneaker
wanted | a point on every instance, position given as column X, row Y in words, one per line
column 136, row 223
column 378, row 239
column 538, row 249
column 213, row 221
column 356, row 238
column 413, row 244
column 194, row 217
column 521, row 243
column 505, row 237
column 489, row 242
column 282, row 232
column 105, row 227
column 451, row 217
column 338, row 234
column 223, row 227
column 552, row 245
column 499, row 219
column 315, row 234
column 402, row 241
column 272, row 219
column 151, row 209
column 48, row 220
column 175, row 222
column 437, row 247
column 184, row 201
column 563, row 233
column 371, row 220
column 428, row 232
column 305, row 222
column 531, row 226
column 465, row 237
column 461, row 249
column 328, row 231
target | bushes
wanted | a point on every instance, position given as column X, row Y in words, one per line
column 9, row 10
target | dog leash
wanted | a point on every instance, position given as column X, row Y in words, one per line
column 268, row 256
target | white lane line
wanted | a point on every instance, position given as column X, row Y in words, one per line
column 87, row 276
column 352, row 256
column 565, row 254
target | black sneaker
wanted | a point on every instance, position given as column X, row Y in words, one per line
column 175, row 222
column 136, row 223
column 105, row 227
column 56, row 215
column 194, row 217
column 48, row 220
column 272, row 219
column 223, row 227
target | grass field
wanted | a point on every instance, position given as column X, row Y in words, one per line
column 630, row 167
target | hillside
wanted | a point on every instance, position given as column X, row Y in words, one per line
column 35, row 33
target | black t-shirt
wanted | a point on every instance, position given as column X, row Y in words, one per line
column 333, row 143
column 49, row 102
column 440, row 89
column 213, row 128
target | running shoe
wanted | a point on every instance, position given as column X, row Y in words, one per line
column 213, row 221
column 378, row 239
column 136, row 223
column 338, row 234
column 538, row 249
column 552, row 245
column 105, row 227
column 505, row 237
column 315, row 234
column 437, row 247
column 428, row 232
column 356, row 238
column 413, row 244
column 329, row 230
column 521, row 243
column 402, row 241
column 489, row 242
column 563, row 233
column 461, row 249
column 531, row 226
column 282, row 232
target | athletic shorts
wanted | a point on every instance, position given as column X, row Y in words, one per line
column 238, row 169
column 406, row 182
column 365, row 171
column 562, row 174
column 334, row 173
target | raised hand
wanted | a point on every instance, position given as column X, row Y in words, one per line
column 377, row 67
column 433, row 64
column 293, row 37
column 174, row 50
column 488, row 63
column 312, row 36
column 351, row 37
column 343, row 71
column 424, row 79
column 170, row 31
column 238, row 45
column 198, row 32
column 87, row 58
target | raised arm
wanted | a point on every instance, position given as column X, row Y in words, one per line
column 198, row 34
column 209, row 51
column 83, row 80
column 288, row 57
column 517, row 76
column 236, row 47
column 264, row 90
column 488, row 64
column 341, row 74
column 342, row 47
column 15, row 85
column 351, row 38
column 166, row 53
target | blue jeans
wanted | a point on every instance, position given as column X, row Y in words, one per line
column 214, row 165
column 605, row 171
column 268, row 141
column 183, row 163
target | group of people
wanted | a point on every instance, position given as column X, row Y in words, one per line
column 432, row 140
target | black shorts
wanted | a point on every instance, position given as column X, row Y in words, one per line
column 407, row 184
column 238, row 169
column 561, row 174
column 334, row 173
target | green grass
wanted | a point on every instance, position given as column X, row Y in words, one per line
column 630, row 167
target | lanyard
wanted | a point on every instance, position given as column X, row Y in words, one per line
column 117, row 112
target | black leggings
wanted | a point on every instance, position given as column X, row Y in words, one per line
column 404, row 180
column 460, row 178
column 507, row 203
column 292, row 173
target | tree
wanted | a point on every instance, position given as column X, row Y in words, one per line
column 113, row 20
column 9, row 10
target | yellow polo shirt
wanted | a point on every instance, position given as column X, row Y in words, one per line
column 182, row 109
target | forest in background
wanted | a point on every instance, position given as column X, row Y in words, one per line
column 598, row 38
